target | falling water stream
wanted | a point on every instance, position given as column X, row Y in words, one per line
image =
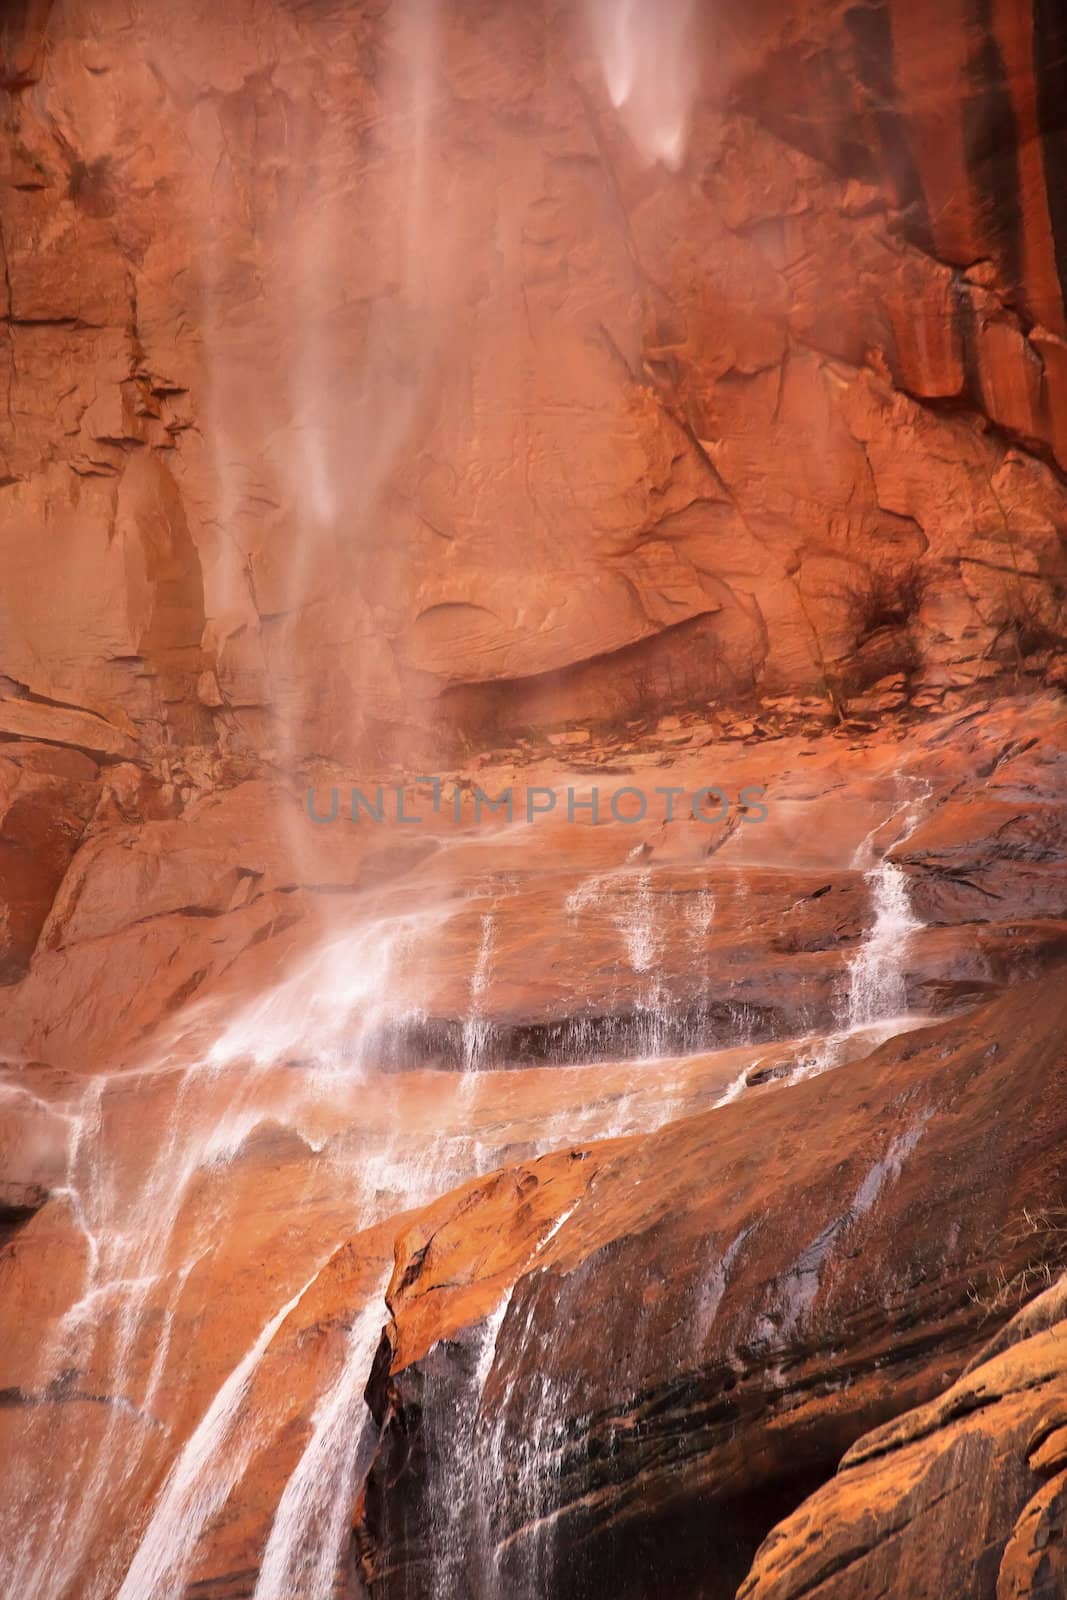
column 309, row 1055
column 876, row 997
column 648, row 64
column 304, row 1055
column 307, row 1535
column 476, row 1026
column 212, row 1461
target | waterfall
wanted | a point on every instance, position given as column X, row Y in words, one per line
column 352, row 421
column 647, row 59
column 877, row 979
column 33, row 1550
column 637, row 926
column 127, row 1205
column 464, row 1473
column 550, row 1441
column 214, row 1458
column 877, row 973
column 700, row 914
column 476, row 1027
column 876, row 988
column 341, row 1000
column 129, row 1238
column 307, row 1536
column 329, row 1015
column 471, row 403
column 127, row 1242
column 628, row 897
column 473, row 1483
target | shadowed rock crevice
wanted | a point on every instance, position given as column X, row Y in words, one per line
column 626, row 1034
column 18, row 1203
column 1050, row 75
column 684, row 663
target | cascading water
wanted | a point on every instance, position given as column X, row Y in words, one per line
column 325, row 1054
column 340, row 1003
column 662, row 1019
column 329, row 1015
column 876, row 993
column 647, row 60
column 643, row 941
column 476, row 1028
column 877, row 975
column 331, row 1010
column 466, row 1493
column 628, row 898
column 476, row 1487
column 307, row 1535
column 192, row 1494
column 304, row 1055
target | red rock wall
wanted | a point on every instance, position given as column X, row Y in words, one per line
column 366, row 392
column 356, row 359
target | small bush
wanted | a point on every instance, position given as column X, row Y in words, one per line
column 891, row 599
column 1046, row 1232
column 1029, row 623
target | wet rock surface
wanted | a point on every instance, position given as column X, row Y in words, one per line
column 671, row 1185
column 784, row 1253
column 800, row 1253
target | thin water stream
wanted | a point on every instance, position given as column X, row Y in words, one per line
column 303, row 1058
column 303, row 1063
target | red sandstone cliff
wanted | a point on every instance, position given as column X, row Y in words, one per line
column 301, row 456
column 375, row 404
